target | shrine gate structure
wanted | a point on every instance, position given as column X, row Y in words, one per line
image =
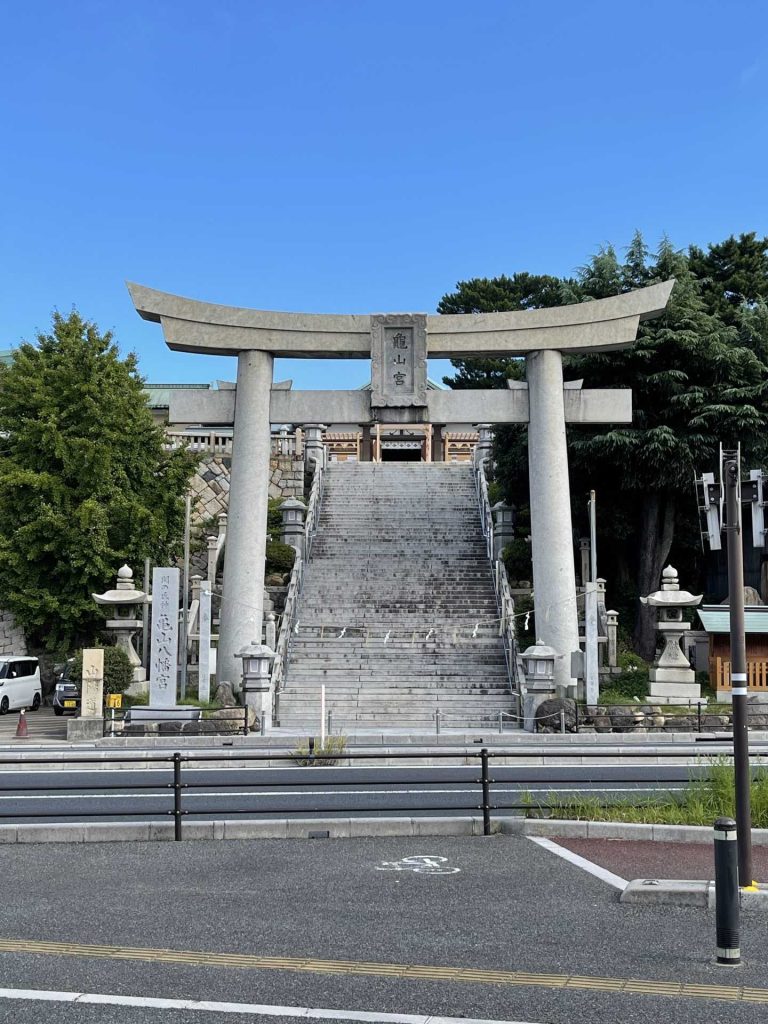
column 398, row 346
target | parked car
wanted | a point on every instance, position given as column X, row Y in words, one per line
column 66, row 695
column 20, row 685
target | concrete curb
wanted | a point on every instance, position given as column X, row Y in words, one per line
column 680, row 892
column 554, row 827
column 345, row 828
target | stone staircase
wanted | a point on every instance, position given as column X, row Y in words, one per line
column 398, row 614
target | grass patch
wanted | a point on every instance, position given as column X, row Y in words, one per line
column 323, row 756
column 701, row 803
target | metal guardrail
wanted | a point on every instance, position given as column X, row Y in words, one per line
column 485, row 798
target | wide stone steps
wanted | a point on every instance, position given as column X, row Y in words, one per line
column 399, row 551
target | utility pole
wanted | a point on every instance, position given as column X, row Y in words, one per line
column 742, row 774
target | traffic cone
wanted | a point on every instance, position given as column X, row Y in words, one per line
column 22, row 731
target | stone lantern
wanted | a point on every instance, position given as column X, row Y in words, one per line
column 671, row 678
column 503, row 527
column 293, row 511
column 539, row 667
column 257, row 682
column 124, row 602
column 484, row 446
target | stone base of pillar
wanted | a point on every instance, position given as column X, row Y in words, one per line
column 79, row 729
column 260, row 700
column 531, row 702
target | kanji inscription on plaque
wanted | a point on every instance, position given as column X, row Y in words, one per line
column 399, row 360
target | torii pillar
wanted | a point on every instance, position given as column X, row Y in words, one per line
column 399, row 345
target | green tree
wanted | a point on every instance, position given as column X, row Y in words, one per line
column 698, row 376
column 85, row 483
column 694, row 386
column 733, row 274
column 498, row 295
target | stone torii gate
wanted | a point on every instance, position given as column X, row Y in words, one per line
column 399, row 345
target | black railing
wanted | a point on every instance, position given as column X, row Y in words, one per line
column 486, row 798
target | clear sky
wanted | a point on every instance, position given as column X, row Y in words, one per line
column 358, row 156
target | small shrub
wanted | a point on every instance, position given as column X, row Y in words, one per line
column 118, row 672
column 280, row 557
column 324, row 756
column 518, row 559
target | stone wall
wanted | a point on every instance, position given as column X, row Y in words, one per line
column 210, row 496
column 12, row 639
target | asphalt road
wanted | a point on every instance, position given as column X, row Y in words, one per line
column 83, row 794
column 501, row 930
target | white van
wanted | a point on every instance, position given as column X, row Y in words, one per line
column 20, row 685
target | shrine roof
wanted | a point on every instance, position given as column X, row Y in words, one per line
column 715, row 618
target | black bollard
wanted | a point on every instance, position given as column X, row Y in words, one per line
column 727, row 892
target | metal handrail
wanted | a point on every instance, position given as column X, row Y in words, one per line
column 504, row 600
column 295, row 586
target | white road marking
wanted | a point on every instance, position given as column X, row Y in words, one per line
column 54, row 795
column 421, row 864
column 581, row 862
column 251, row 1009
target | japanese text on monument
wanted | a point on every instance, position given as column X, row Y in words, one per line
column 165, row 626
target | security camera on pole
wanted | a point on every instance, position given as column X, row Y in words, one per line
column 728, row 520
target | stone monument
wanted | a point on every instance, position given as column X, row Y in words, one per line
column 164, row 659
column 671, row 678
column 90, row 723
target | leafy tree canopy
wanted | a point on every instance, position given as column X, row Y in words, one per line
column 85, row 483
column 497, row 295
column 698, row 374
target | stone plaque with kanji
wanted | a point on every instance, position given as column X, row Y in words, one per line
column 399, row 360
column 164, row 659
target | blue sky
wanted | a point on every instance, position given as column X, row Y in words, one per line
column 341, row 156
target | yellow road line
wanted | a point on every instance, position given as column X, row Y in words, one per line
column 471, row 975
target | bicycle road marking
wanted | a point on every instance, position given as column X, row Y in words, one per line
column 466, row 975
column 420, row 864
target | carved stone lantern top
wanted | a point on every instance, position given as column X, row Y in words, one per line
column 124, row 593
column 670, row 595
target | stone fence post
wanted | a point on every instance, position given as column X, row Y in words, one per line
column 613, row 631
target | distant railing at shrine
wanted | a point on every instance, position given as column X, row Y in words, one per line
column 219, row 442
column 341, row 446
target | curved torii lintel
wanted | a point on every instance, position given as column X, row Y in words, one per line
column 604, row 324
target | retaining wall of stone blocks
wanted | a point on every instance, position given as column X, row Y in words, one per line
column 12, row 640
